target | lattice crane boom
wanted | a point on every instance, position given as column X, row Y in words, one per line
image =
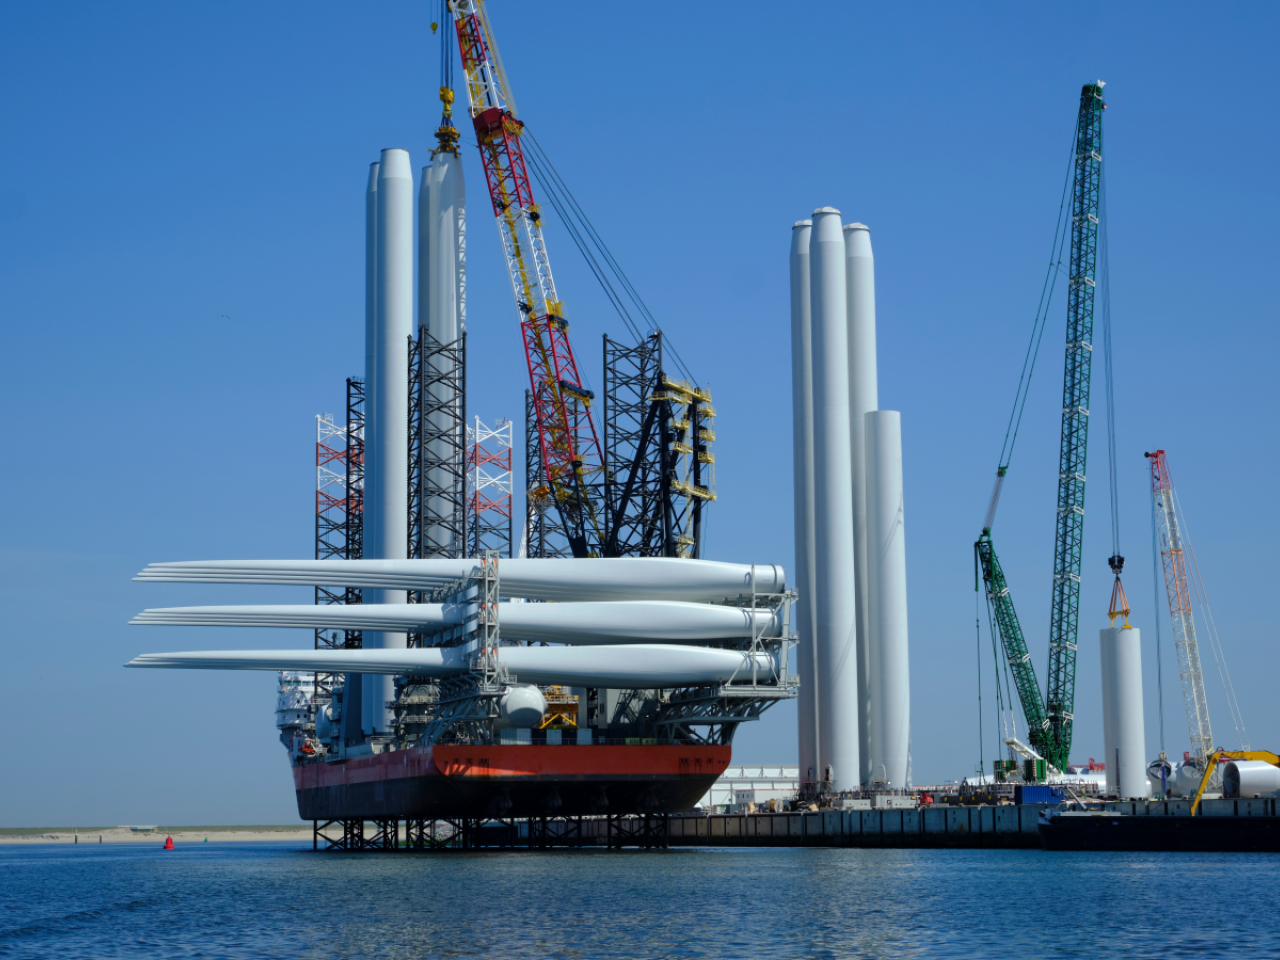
column 1178, row 588
column 570, row 449
column 1073, row 450
column 1015, row 645
column 1050, row 721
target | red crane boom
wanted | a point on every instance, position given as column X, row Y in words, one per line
column 567, row 436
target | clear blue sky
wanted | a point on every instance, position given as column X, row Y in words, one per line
column 164, row 164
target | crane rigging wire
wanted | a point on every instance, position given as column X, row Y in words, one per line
column 1054, row 270
column 586, row 236
column 572, row 227
column 1211, row 628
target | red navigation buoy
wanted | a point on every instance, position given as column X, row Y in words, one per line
column 168, row 843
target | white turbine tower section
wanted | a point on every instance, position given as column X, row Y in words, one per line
column 647, row 666
column 442, row 260
column 889, row 680
column 595, row 578
column 353, row 684
column 1123, row 729
column 370, row 285
column 386, row 520
column 835, row 610
column 441, row 302
column 864, row 396
column 579, row 624
column 802, row 452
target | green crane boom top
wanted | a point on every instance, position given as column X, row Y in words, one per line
column 1050, row 721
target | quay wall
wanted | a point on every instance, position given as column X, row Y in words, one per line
column 935, row 827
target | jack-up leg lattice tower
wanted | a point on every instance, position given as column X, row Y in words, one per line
column 437, row 449
column 659, row 465
column 489, row 516
column 339, row 536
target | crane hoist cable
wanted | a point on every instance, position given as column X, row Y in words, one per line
column 1119, row 602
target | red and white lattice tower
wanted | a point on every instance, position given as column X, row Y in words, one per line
column 489, row 488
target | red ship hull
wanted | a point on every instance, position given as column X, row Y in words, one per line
column 454, row 782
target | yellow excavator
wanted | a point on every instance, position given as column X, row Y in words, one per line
column 1221, row 756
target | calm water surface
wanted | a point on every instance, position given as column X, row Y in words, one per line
column 280, row 901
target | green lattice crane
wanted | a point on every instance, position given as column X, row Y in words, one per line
column 1049, row 721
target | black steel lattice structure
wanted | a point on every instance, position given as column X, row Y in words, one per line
column 437, row 448
column 634, row 449
column 355, row 835
column 657, row 450
column 643, row 831
column 355, row 475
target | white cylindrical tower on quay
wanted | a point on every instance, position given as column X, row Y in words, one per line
column 802, row 453
column 889, row 674
column 835, row 605
column 864, row 396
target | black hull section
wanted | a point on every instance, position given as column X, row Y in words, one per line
column 1172, row 834
column 442, row 798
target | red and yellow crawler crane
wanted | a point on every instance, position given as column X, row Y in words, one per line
column 567, row 437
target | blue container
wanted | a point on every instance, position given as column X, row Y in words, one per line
column 1036, row 793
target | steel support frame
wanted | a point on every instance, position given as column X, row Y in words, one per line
column 648, row 831
column 616, row 831
column 350, row 835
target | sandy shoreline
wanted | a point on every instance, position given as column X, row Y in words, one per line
column 181, row 835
